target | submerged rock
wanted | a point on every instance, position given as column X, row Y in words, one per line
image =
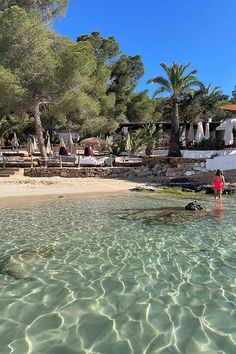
column 22, row 264
column 171, row 215
column 194, row 206
column 228, row 190
column 143, row 189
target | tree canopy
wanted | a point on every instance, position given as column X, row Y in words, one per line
column 88, row 86
column 46, row 9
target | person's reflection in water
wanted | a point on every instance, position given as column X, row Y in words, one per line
column 219, row 211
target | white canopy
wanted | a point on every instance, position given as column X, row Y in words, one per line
column 200, row 133
column 227, row 122
column 190, row 135
column 48, row 146
column 228, row 136
column 207, row 131
column 128, row 143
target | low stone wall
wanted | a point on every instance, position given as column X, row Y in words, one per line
column 174, row 166
column 112, row 172
column 152, row 166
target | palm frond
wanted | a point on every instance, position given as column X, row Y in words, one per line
column 159, row 90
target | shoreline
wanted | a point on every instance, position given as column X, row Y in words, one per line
column 24, row 190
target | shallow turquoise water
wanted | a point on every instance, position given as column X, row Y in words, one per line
column 111, row 285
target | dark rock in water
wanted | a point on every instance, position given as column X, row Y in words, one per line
column 143, row 189
column 184, row 183
column 165, row 215
column 22, row 264
column 227, row 190
column 193, row 206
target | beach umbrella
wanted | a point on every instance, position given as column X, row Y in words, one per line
column 228, row 135
column 200, row 133
column 48, row 146
column 14, row 141
column 125, row 130
column 2, row 142
column 207, row 131
column 30, row 146
column 93, row 142
column 35, row 146
column 62, row 143
column 128, row 143
column 182, row 137
column 153, row 128
column 70, row 144
column 190, row 135
column 107, row 140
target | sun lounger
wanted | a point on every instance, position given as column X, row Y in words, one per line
column 17, row 161
column 60, row 161
column 90, row 161
column 126, row 161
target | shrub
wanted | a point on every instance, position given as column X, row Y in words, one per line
column 208, row 144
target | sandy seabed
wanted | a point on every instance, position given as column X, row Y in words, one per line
column 16, row 190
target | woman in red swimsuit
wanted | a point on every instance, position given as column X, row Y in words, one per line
column 218, row 184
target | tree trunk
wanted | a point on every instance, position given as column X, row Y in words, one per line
column 174, row 150
column 38, row 128
column 149, row 150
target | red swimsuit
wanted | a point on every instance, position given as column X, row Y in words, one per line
column 218, row 183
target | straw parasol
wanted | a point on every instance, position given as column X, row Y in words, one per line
column 128, row 143
column 30, row 146
column 48, row 146
column 228, row 135
column 93, row 142
column 207, row 131
column 190, row 135
column 2, row 142
column 14, row 141
column 70, row 144
column 200, row 133
column 182, row 137
column 62, row 143
column 35, row 146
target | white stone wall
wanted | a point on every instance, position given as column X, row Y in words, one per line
column 207, row 154
column 222, row 163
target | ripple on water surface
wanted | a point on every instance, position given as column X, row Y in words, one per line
column 79, row 277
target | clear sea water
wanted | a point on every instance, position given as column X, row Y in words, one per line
column 78, row 277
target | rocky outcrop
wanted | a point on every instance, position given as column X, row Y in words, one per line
column 22, row 264
column 165, row 216
column 194, row 206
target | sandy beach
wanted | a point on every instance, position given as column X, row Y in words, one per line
column 20, row 189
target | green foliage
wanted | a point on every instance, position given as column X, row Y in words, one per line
column 114, row 79
column 11, row 123
column 202, row 104
column 144, row 136
column 46, row 9
column 208, row 144
column 141, row 108
column 177, row 84
column 118, row 144
column 10, row 89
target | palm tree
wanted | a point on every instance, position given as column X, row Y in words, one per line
column 176, row 84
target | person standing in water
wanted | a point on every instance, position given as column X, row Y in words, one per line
column 218, row 184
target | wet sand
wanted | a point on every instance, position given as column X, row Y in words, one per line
column 18, row 190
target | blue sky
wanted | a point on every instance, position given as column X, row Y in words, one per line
column 202, row 32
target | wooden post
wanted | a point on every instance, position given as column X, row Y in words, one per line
column 60, row 161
